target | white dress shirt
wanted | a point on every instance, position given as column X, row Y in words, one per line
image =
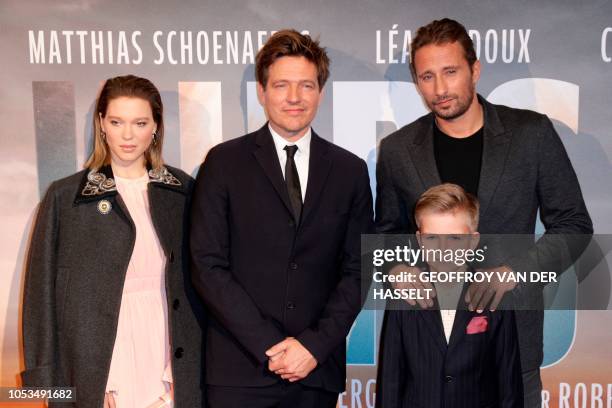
column 301, row 158
column 448, row 319
column 448, row 295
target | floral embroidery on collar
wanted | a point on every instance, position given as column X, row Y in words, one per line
column 162, row 175
column 97, row 184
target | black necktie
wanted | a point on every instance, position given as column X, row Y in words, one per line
column 293, row 183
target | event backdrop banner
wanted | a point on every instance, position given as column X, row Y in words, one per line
column 551, row 56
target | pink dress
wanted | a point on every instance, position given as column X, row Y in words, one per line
column 140, row 371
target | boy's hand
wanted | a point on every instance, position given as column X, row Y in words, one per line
column 418, row 284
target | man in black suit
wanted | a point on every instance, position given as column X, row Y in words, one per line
column 275, row 238
column 511, row 159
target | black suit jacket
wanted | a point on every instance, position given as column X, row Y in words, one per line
column 264, row 278
column 525, row 169
column 418, row 369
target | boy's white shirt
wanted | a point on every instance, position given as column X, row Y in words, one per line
column 450, row 295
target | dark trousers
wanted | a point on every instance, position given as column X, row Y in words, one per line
column 281, row 395
column 532, row 388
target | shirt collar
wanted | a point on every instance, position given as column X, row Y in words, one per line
column 303, row 144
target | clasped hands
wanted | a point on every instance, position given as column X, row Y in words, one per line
column 291, row 360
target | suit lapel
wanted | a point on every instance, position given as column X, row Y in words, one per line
column 462, row 318
column 422, row 152
column 433, row 321
column 266, row 156
column 496, row 144
column 318, row 170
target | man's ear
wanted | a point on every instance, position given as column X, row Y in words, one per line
column 475, row 72
column 260, row 94
column 321, row 97
column 418, row 237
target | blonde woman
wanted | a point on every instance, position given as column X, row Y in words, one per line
column 108, row 307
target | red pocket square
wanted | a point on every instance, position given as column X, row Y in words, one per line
column 478, row 324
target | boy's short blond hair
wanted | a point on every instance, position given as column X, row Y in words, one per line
column 448, row 198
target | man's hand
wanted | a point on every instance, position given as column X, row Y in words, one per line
column 291, row 360
column 417, row 284
column 479, row 295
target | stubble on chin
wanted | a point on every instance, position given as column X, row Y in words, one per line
column 461, row 106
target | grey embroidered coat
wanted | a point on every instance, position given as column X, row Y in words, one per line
column 81, row 246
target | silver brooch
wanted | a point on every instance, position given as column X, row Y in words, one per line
column 104, row 207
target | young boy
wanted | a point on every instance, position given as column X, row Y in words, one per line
column 448, row 358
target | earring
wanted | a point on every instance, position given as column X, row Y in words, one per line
column 154, row 142
column 103, row 134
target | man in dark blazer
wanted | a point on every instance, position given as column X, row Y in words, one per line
column 511, row 159
column 275, row 238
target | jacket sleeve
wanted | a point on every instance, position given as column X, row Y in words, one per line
column 391, row 214
column 507, row 361
column 562, row 207
column 345, row 301
column 390, row 383
column 562, row 210
column 39, row 305
column 212, row 273
column 392, row 217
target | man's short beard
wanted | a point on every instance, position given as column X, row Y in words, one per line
column 462, row 107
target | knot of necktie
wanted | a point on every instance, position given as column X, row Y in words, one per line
column 291, row 150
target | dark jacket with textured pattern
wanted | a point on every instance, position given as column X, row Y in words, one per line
column 80, row 249
column 418, row 368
